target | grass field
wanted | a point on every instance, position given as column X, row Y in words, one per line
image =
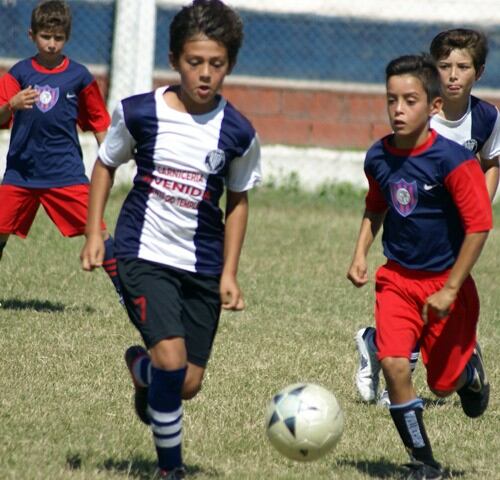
column 65, row 394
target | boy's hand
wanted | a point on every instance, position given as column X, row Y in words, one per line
column 440, row 303
column 358, row 272
column 230, row 294
column 23, row 100
column 92, row 254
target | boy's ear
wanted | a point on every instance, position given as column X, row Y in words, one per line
column 480, row 72
column 436, row 105
column 31, row 35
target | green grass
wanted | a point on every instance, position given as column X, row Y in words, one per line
column 65, row 394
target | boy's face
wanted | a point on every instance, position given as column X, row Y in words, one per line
column 49, row 44
column 409, row 110
column 458, row 75
column 202, row 65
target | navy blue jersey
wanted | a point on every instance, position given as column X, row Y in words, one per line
column 44, row 149
column 433, row 194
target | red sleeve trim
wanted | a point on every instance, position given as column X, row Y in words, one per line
column 92, row 113
column 467, row 186
column 9, row 86
column 375, row 200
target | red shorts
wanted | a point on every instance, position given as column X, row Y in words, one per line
column 66, row 207
column 446, row 344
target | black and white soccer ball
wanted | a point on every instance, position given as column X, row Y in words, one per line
column 304, row 421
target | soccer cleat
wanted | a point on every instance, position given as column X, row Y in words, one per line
column 423, row 471
column 133, row 354
column 176, row 474
column 475, row 397
column 383, row 399
column 367, row 375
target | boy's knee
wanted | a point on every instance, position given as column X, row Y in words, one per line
column 441, row 393
column 395, row 366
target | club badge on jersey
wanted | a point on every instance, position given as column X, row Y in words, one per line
column 215, row 160
column 404, row 196
column 47, row 97
column 471, row 145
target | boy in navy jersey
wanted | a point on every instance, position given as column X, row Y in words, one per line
column 431, row 197
column 45, row 97
column 177, row 260
column 460, row 56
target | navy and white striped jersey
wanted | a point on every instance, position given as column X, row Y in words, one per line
column 172, row 215
column 478, row 130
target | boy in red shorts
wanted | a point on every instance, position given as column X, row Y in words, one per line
column 431, row 197
column 44, row 98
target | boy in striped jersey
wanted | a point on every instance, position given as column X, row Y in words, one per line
column 177, row 259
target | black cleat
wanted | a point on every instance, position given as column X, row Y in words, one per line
column 175, row 474
column 133, row 354
column 475, row 397
column 423, row 471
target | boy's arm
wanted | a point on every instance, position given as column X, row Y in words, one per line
column 373, row 218
column 467, row 186
column 12, row 98
column 441, row 301
column 490, row 169
column 235, row 228
column 100, row 136
column 92, row 253
column 370, row 225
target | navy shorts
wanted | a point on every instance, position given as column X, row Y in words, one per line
column 164, row 302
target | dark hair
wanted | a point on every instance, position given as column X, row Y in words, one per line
column 211, row 18
column 464, row 39
column 51, row 15
column 420, row 66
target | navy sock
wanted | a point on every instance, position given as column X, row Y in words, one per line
column 470, row 373
column 165, row 412
column 109, row 264
column 408, row 418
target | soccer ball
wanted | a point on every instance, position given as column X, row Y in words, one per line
column 304, row 421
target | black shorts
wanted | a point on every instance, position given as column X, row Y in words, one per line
column 164, row 302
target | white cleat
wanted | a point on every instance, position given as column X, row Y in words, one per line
column 367, row 375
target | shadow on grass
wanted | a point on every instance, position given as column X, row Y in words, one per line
column 386, row 469
column 37, row 305
column 43, row 306
column 141, row 468
column 378, row 469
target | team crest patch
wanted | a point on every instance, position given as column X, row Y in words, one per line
column 404, row 196
column 47, row 97
column 471, row 145
column 215, row 160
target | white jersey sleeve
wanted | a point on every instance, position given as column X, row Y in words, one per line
column 491, row 148
column 245, row 172
column 118, row 146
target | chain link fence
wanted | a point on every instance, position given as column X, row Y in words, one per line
column 346, row 47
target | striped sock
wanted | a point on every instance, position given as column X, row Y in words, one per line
column 165, row 412
column 141, row 371
column 109, row 265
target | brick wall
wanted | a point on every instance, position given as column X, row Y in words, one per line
column 341, row 117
